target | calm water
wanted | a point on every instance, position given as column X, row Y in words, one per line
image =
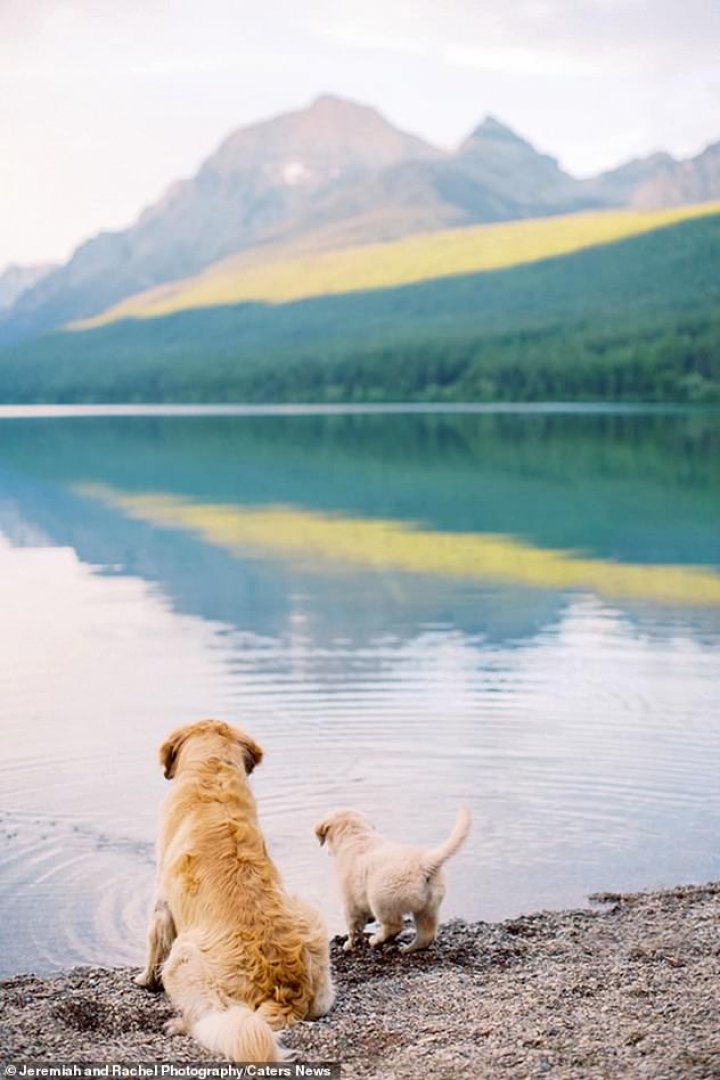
column 519, row 611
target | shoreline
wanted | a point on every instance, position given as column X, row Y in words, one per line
column 587, row 407
column 630, row 989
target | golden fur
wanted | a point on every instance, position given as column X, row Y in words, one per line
column 382, row 880
column 238, row 957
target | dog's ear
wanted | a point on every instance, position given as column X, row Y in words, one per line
column 169, row 751
column 321, row 831
column 252, row 753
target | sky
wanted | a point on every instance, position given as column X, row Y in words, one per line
column 103, row 103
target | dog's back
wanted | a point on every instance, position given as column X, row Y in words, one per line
column 397, row 877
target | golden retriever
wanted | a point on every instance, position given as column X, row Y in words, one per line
column 382, row 880
column 238, row 957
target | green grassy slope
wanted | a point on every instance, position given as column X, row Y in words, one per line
column 638, row 319
column 281, row 277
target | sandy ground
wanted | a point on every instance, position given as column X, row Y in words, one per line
column 631, row 989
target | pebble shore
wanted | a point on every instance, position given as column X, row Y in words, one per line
column 629, row 989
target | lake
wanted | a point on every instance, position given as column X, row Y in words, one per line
column 515, row 609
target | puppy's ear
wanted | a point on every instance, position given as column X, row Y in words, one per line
column 252, row 753
column 321, row 831
column 169, row 751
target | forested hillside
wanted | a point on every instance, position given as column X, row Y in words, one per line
column 634, row 320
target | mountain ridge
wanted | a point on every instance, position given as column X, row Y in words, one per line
column 339, row 170
column 16, row 278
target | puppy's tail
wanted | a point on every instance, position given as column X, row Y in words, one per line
column 432, row 860
column 237, row 1033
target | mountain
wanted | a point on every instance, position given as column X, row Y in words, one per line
column 331, row 174
column 15, row 279
column 509, row 166
column 619, row 186
column 252, row 189
column 661, row 180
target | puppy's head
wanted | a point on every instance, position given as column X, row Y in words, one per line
column 210, row 738
column 341, row 825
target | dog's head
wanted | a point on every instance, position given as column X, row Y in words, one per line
column 340, row 826
column 219, row 740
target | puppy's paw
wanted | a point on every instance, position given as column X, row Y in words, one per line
column 176, row 1026
column 413, row 946
column 348, row 946
column 376, row 939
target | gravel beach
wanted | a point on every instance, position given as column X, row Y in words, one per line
column 628, row 989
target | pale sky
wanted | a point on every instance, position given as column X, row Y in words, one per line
column 103, row 103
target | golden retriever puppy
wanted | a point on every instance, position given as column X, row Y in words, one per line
column 382, row 880
column 238, row 957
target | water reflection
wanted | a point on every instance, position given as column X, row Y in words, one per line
column 329, row 582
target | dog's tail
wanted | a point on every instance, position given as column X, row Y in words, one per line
column 231, row 1030
column 432, row 860
column 237, row 1033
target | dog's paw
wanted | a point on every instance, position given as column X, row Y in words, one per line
column 348, row 946
column 375, row 939
column 411, row 947
column 176, row 1026
column 146, row 979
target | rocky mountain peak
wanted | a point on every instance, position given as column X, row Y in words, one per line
column 492, row 130
column 325, row 139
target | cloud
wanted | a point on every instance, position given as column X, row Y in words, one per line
column 516, row 60
column 535, row 36
column 105, row 102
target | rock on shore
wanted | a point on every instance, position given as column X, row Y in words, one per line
column 630, row 990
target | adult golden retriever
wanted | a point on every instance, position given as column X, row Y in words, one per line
column 238, row 957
